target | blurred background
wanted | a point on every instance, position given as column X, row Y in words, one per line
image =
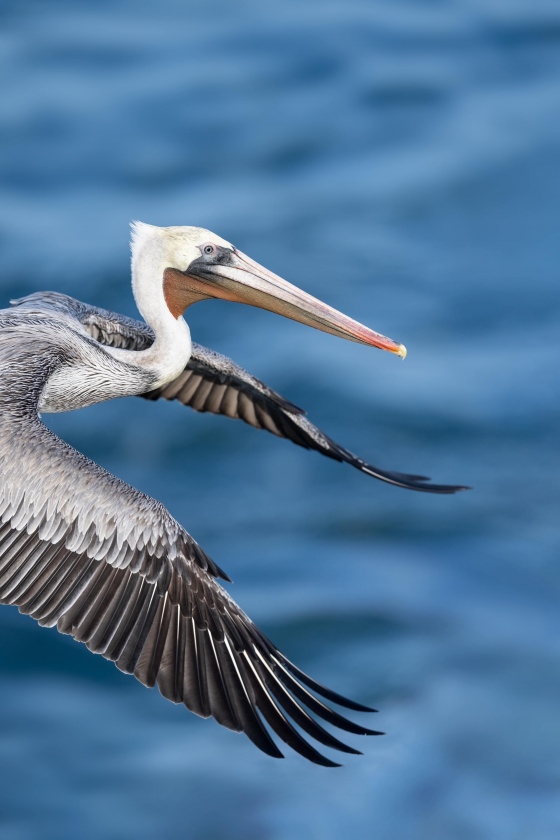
column 401, row 160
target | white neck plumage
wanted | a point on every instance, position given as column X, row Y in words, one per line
column 171, row 350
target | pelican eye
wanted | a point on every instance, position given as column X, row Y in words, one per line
column 212, row 254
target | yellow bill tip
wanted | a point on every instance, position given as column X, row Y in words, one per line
column 402, row 351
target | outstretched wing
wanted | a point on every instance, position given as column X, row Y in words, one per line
column 86, row 552
column 212, row 382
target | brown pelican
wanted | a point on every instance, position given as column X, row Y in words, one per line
column 86, row 552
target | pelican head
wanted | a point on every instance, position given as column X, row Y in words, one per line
column 197, row 265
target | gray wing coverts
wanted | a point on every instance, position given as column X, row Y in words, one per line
column 86, row 552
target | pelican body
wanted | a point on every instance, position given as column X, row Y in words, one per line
column 83, row 550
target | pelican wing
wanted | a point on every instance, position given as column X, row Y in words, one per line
column 83, row 550
column 214, row 383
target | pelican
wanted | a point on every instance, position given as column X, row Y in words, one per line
column 83, row 550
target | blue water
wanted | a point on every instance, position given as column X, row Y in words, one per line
column 401, row 160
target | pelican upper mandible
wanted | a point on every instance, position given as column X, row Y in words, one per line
column 83, row 550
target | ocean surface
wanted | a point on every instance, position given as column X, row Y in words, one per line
column 400, row 160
